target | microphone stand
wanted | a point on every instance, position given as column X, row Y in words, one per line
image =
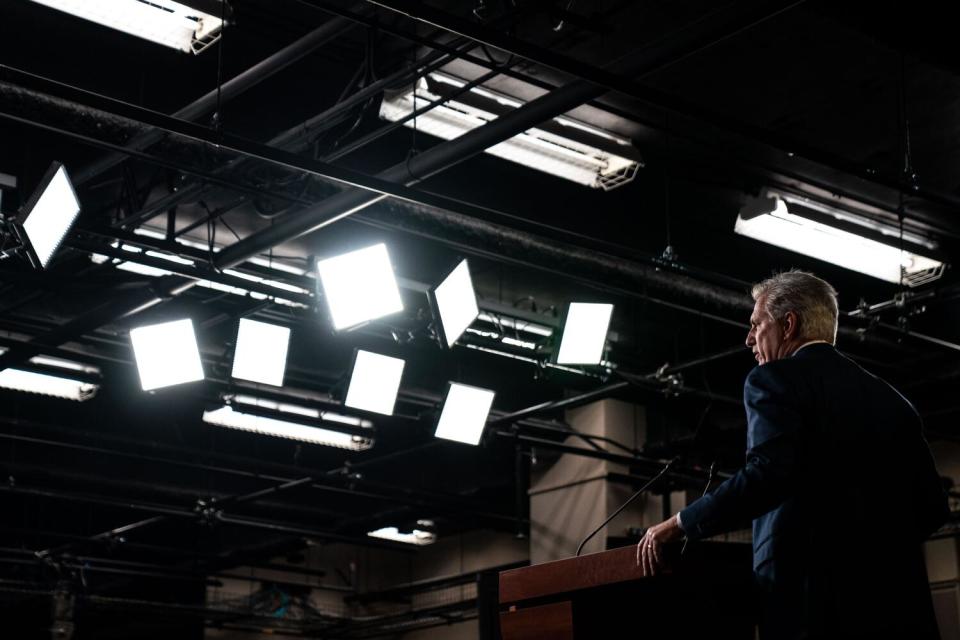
column 626, row 504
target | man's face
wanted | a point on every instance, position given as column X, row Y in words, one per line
column 766, row 338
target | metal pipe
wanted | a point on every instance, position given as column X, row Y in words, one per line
column 450, row 153
column 298, row 136
column 231, row 89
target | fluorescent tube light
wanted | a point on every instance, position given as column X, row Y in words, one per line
column 261, row 353
column 374, row 382
column 774, row 222
column 570, row 149
column 227, row 416
column 294, row 428
column 49, row 215
column 455, row 302
column 166, row 354
column 161, row 21
column 47, row 385
column 415, row 537
column 359, row 286
column 584, row 333
column 464, row 413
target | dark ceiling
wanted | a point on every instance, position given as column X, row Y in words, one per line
column 828, row 100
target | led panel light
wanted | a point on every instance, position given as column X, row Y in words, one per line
column 359, row 286
column 161, row 21
column 596, row 158
column 584, row 333
column 455, row 302
column 464, row 413
column 49, row 215
column 261, row 353
column 166, row 354
column 227, row 416
column 841, row 247
column 374, row 382
column 415, row 537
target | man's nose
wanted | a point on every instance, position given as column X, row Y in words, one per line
column 750, row 340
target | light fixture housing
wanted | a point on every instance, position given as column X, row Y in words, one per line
column 374, row 382
column 562, row 147
column 454, row 304
column 180, row 25
column 54, row 377
column 464, row 413
column 166, row 354
column 359, row 286
column 414, row 537
column 584, row 333
column 48, row 216
column 839, row 237
column 293, row 422
column 261, row 352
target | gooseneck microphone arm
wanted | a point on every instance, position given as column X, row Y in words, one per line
column 627, row 503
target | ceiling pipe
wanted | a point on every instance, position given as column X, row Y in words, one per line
column 447, row 154
column 229, row 90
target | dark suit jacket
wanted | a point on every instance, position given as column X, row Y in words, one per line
column 842, row 490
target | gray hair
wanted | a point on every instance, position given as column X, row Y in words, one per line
column 812, row 299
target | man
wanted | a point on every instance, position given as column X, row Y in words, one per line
column 838, row 481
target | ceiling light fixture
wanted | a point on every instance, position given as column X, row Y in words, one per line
column 415, row 537
column 48, row 216
column 464, row 413
column 584, row 333
column 261, row 353
column 359, row 286
column 839, row 237
column 374, row 382
column 78, row 381
column 455, row 304
column 166, row 354
column 173, row 24
column 294, row 422
column 563, row 147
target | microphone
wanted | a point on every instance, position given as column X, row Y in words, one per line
column 710, row 474
column 613, row 515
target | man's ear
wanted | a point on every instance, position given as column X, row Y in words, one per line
column 791, row 325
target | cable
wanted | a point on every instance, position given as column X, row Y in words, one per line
column 710, row 477
column 636, row 495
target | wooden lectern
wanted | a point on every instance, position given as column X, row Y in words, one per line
column 606, row 595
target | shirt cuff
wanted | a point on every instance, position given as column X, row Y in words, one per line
column 680, row 523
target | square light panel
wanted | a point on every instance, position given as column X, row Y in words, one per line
column 374, row 382
column 166, row 354
column 261, row 353
column 50, row 213
column 456, row 303
column 584, row 333
column 359, row 286
column 464, row 413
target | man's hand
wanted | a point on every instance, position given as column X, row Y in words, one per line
column 650, row 548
